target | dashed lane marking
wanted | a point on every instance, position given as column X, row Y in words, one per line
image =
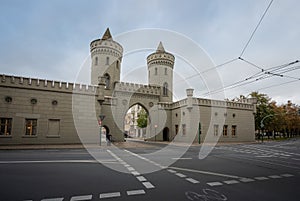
column 287, row 175
column 231, row 182
column 181, row 158
column 192, row 180
column 135, row 192
column 109, row 195
column 261, row 178
column 275, row 176
column 246, row 180
column 172, row 171
column 147, row 184
column 180, row 175
column 141, row 178
column 214, row 184
column 81, row 197
column 52, row 199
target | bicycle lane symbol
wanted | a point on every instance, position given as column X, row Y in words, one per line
column 208, row 195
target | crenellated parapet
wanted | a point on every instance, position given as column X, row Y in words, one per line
column 245, row 105
column 137, row 88
column 11, row 81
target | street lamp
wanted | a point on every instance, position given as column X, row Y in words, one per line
column 101, row 117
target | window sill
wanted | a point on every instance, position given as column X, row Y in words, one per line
column 5, row 136
column 29, row 136
column 53, row 136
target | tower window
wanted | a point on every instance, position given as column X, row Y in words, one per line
column 107, row 81
column 155, row 71
column 96, row 61
column 166, row 71
column 165, row 89
column 107, row 60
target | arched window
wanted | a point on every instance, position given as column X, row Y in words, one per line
column 165, row 89
column 96, row 61
column 155, row 71
column 107, row 81
column 107, row 60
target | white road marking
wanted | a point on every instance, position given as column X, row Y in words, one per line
column 287, row 175
column 81, row 197
column 231, row 182
column 246, row 180
column 275, row 177
column 192, row 180
column 135, row 173
column 136, row 192
column 148, row 184
column 181, row 158
column 109, row 195
column 50, row 161
column 130, row 168
column 141, row 178
column 206, row 172
column 180, row 175
column 52, row 199
column 172, row 171
column 261, row 178
column 215, row 183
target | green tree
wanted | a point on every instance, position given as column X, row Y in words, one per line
column 142, row 120
column 263, row 109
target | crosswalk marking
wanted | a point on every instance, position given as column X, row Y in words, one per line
column 231, row 182
column 81, row 197
column 136, row 192
column 215, row 183
column 192, row 180
column 148, row 184
column 109, row 195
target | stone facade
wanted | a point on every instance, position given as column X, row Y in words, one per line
column 36, row 111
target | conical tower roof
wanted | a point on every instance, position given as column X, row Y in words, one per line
column 107, row 35
column 160, row 47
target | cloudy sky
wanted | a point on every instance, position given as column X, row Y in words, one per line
column 50, row 39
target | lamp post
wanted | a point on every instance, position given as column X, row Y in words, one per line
column 101, row 117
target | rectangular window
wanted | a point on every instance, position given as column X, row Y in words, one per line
column 166, row 71
column 225, row 130
column 233, row 130
column 30, row 127
column 5, row 126
column 53, row 127
column 183, row 129
column 216, row 130
column 155, row 71
column 107, row 60
column 176, row 129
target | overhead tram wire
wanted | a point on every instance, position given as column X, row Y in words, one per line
column 209, row 69
column 258, row 76
column 261, row 19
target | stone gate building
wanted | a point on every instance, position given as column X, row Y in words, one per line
column 39, row 111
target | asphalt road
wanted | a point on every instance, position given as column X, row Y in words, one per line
column 244, row 172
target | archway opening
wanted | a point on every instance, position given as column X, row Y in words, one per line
column 136, row 122
column 166, row 134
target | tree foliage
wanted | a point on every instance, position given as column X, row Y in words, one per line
column 283, row 119
column 142, row 120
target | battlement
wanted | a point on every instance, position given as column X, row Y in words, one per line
column 106, row 47
column 245, row 105
column 46, row 85
column 137, row 88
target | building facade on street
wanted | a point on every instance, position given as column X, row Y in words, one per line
column 39, row 111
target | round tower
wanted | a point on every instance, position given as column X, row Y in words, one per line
column 106, row 55
column 160, row 72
